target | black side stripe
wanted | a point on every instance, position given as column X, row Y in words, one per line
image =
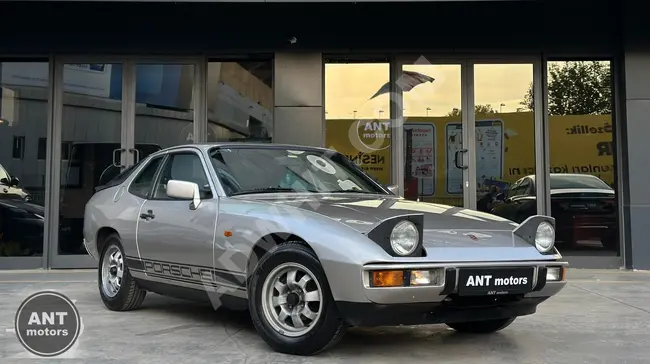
column 187, row 273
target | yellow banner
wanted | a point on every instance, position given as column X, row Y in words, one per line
column 505, row 148
column 365, row 142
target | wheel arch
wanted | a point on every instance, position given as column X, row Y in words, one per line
column 268, row 242
column 102, row 234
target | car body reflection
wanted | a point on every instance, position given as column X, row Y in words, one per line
column 584, row 208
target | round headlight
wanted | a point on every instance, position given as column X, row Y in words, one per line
column 404, row 238
column 544, row 237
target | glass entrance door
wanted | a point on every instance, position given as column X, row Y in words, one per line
column 88, row 109
column 504, row 138
column 110, row 115
column 435, row 144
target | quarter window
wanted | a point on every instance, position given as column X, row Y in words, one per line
column 142, row 184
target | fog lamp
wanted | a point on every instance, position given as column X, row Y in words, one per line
column 387, row 278
column 431, row 277
column 554, row 274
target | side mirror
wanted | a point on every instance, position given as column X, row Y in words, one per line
column 184, row 190
column 501, row 197
column 394, row 189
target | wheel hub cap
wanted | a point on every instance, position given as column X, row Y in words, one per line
column 112, row 271
column 292, row 299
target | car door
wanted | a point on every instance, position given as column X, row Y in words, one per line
column 175, row 241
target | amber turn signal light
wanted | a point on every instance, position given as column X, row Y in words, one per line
column 387, row 278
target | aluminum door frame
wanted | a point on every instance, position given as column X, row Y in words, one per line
column 397, row 115
column 541, row 136
column 51, row 258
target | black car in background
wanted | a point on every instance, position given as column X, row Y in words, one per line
column 584, row 207
column 21, row 221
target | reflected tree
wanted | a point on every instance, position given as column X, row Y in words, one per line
column 478, row 109
column 576, row 88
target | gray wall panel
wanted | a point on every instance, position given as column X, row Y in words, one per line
column 636, row 151
column 299, row 125
column 637, row 70
column 639, row 217
column 298, row 79
column 298, row 98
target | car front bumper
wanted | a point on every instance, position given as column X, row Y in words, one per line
column 539, row 287
column 444, row 302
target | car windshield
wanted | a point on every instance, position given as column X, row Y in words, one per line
column 559, row 182
column 245, row 169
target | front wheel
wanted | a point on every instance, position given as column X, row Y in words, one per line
column 291, row 304
column 481, row 327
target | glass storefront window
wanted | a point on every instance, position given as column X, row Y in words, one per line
column 91, row 131
column 164, row 111
column 357, row 115
column 23, row 124
column 583, row 199
column 240, row 101
column 433, row 132
column 505, row 139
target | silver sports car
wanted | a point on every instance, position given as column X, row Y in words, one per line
column 310, row 245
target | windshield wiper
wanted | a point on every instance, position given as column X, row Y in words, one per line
column 352, row 191
column 268, row 190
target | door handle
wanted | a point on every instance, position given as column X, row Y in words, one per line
column 117, row 153
column 457, row 160
column 147, row 215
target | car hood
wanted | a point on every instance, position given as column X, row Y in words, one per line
column 364, row 212
column 15, row 203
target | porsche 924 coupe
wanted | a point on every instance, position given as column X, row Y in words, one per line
column 310, row 245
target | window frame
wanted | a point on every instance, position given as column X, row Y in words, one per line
column 169, row 156
column 141, row 171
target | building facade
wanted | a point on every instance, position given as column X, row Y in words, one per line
column 559, row 93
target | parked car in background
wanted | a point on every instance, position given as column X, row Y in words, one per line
column 310, row 245
column 21, row 222
column 584, row 207
column 9, row 186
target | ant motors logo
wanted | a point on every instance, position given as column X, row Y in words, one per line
column 47, row 324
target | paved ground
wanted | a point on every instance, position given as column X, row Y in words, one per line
column 601, row 317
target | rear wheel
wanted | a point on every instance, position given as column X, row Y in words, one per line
column 291, row 304
column 481, row 327
column 118, row 290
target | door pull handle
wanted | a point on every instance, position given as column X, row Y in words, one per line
column 147, row 215
column 457, row 159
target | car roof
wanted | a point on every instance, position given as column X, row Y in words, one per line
column 207, row 146
column 532, row 176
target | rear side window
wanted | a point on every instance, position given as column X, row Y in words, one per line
column 143, row 182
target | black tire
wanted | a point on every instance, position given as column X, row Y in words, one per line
column 481, row 327
column 129, row 296
column 329, row 327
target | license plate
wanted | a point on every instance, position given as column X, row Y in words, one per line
column 495, row 281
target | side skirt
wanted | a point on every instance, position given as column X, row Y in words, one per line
column 194, row 295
